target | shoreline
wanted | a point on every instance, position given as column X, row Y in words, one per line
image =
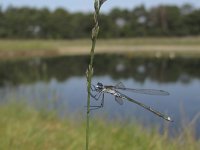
column 146, row 47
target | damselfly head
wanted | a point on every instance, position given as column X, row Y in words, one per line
column 99, row 85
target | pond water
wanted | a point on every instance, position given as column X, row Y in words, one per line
column 60, row 84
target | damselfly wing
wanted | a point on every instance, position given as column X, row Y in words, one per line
column 120, row 86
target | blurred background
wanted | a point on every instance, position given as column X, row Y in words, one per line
column 44, row 54
column 120, row 19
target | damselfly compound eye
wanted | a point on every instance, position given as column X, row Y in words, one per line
column 99, row 84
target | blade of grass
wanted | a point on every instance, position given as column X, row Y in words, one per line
column 89, row 72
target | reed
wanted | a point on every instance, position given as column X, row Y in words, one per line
column 89, row 72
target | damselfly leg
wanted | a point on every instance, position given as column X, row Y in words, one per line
column 98, row 95
column 102, row 102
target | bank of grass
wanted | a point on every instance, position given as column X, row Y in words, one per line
column 22, row 128
column 41, row 44
column 138, row 46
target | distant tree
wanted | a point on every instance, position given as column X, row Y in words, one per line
column 164, row 20
column 2, row 25
column 186, row 9
column 107, row 26
column 43, row 21
column 59, row 24
column 119, row 20
column 139, row 21
column 192, row 22
column 80, row 26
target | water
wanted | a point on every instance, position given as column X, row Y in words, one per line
column 59, row 84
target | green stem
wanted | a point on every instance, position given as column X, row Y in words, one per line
column 89, row 73
column 89, row 79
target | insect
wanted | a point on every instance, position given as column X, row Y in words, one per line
column 101, row 89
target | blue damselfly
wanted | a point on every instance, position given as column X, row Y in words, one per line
column 101, row 89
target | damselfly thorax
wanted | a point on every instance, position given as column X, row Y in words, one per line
column 110, row 90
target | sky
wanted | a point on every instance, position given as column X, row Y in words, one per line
column 87, row 5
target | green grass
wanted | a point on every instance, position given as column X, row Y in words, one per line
column 24, row 128
column 156, row 47
column 56, row 44
column 29, row 45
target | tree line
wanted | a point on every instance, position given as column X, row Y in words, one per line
column 166, row 20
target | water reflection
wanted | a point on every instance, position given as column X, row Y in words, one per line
column 116, row 66
column 59, row 84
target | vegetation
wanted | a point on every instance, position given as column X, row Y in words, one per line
column 156, row 47
column 119, row 23
column 28, row 45
column 89, row 72
column 22, row 127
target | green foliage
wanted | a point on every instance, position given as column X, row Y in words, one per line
column 193, row 22
column 23, row 128
column 60, row 24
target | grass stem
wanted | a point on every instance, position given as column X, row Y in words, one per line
column 89, row 72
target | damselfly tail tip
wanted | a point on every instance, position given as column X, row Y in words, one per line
column 169, row 119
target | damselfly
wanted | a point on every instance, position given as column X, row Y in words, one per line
column 101, row 89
